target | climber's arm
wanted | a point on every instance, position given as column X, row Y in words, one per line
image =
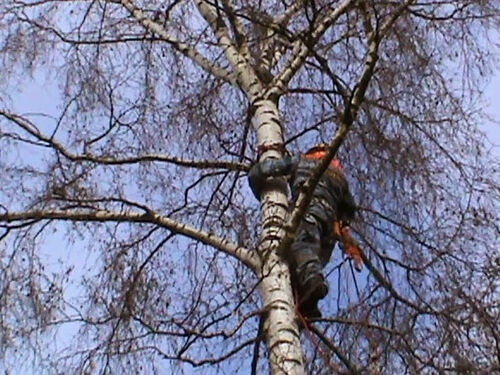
column 268, row 168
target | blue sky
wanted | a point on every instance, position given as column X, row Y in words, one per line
column 38, row 96
column 492, row 95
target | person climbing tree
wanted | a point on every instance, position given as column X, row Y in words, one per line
column 325, row 222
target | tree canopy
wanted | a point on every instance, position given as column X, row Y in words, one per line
column 129, row 238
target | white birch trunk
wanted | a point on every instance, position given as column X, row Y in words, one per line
column 280, row 325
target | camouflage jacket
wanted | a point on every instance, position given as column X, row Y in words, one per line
column 332, row 191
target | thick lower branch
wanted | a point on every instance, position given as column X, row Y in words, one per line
column 246, row 256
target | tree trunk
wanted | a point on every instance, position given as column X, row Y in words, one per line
column 280, row 325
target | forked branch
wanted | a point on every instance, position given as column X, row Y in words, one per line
column 183, row 48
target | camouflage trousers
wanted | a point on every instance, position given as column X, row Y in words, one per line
column 314, row 241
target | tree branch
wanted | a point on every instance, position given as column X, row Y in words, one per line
column 248, row 257
column 349, row 115
column 258, row 339
column 300, row 49
column 206, row 361
column 183, row 48
column 351, row 366
column 245, row 74
column 26, row 125
column 238, row 30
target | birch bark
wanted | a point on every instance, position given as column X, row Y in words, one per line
column 280, row 326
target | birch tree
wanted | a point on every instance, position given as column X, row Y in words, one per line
column 130, row 241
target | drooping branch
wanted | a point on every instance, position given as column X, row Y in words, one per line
column 358, row 323
column 206, row 361
column 249, row 258
column 30, row 128
column 183, row 48
column 387, row 285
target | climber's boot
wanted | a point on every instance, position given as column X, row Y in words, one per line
column 311, row 287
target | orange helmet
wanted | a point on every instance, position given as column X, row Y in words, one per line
column 320, row 147
column 318, row 151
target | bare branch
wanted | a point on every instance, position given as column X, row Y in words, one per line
column 245, row 75
column 188, row 51
column 239, row 32
column 300, row 49
column 340, row 355
column 246, row 256
column 107, row 160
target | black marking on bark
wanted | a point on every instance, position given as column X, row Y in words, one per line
column 292, row 331
column 283, row 341
column 268, row 111
column 253, row 83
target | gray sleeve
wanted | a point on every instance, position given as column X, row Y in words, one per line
column 276, row 167
column 261, row 171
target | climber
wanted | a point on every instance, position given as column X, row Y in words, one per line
column 324, row 223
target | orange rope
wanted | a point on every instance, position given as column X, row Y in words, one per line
column 312, row 338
